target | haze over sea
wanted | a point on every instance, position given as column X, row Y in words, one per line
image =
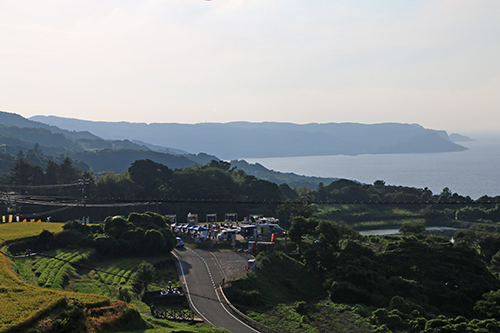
column 474, row 172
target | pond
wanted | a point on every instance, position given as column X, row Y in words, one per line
column 394, row 231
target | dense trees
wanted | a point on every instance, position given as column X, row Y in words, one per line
column 411, row 283
column 151, row 181
column 412, row 228
column 138, row 234
column 218, row 181
column 25, row 173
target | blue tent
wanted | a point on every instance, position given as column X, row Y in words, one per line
column 200, row 228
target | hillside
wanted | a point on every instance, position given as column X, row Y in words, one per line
column 13, row 119
column 120, row 160
column 261, row 172
column 236, row 140
column 40, row 143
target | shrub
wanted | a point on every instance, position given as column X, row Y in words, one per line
column 250, row 298
column 46, row 238
column 412, row 228
column 106, row 245
column 344, row 292
column 154, row 241
column 67, row 238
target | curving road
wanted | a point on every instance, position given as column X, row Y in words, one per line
column 202, row 274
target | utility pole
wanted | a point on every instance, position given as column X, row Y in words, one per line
column 84, row 182
column 286, row 233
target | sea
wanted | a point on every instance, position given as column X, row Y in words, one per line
column 474, row 172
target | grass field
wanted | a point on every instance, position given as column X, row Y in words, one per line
column 18, row 230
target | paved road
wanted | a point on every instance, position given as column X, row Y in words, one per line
column 202, row 274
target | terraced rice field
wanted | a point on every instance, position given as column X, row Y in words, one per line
column 21, row 302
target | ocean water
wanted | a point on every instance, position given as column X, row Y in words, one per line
column 474, row 172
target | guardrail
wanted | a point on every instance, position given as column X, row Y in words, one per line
column 243, row 317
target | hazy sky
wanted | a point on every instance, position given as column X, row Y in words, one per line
column 432, row 62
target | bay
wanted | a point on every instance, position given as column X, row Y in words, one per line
column 474, row 172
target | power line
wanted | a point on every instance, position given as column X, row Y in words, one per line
column 44, row 213
column 39, row 186
column 40, row 200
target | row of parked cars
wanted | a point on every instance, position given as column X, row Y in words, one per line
column 263, row 227
column 252, row 231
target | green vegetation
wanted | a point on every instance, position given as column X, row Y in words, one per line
column 288, row 178
column 80, row 275
column 23, row 304
column 334, row 280
column 412, row 283
column 322, row 316
column 280, row 279
column 145, row 180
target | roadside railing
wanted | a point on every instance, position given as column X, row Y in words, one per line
column 249, row 321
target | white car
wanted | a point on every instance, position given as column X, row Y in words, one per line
column 227, row 234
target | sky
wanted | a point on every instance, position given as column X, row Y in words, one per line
column 431, row 62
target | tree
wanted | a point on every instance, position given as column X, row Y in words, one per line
column 301, row 227
column 412, row 228
column 490, row 304
column 134, row 239
column 321, row 194
column 321, row 256
column 298, row 207
column 149, row 176
column 113, row 185
column 328, row 235
column 445, row 195
column 223, row 165
column 287, row 192
column 23, row 173
column 154, row 241
column 52, row 173
column 115, row 226
column 67, row 172
column 146, row 273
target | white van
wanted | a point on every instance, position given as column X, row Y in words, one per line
column 267, row 229
column 227, row 234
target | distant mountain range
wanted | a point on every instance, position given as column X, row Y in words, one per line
column 236, row 140
column 90, row 151
column 105, row 146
